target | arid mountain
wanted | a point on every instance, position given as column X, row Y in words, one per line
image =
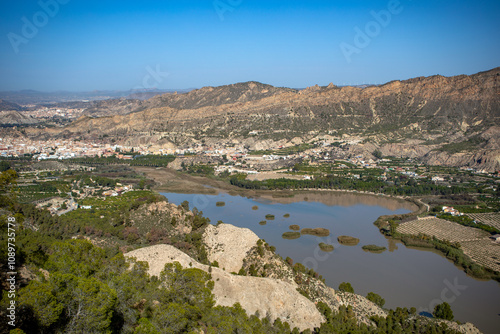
column 9, row 106
column 11, row 118
column 216, row 96
column 416, row 117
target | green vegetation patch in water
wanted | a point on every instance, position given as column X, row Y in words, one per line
column 294, row 227
column 347, row 240
column 325, row 247
column 286, row 215
column 262, row 222
column 291, row 235
column 319, row 231
column 270, row 217
column 374, row 248
column 220, row 204
column 255, row 207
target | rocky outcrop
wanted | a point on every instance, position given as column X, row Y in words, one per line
column 228, row 245
column 266, row 296
column 276, row 295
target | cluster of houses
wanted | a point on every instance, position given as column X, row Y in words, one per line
column 117, row 191
column 451, row 210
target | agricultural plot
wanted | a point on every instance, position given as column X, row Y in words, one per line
column 491, row 219
column 484, row 252
column 474, row 242
column 442, row 229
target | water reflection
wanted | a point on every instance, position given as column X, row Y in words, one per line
column 404, row 276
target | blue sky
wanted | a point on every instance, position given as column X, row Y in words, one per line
column 118, row 45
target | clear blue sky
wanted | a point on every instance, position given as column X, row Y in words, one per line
column 101, row 45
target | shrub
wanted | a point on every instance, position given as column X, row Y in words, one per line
column 374, row 248
column 346, row 287
column 443, row 311
column 220, row 203
column 270, row 217
column 325, row 247
column 373, row 297
column 294, row 227
column 347, row 240
column 319, row 232
column 291, row 235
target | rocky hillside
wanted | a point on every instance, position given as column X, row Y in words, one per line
column 217, row 96
column 9, row 106
column 12, row 117
column 281, row 293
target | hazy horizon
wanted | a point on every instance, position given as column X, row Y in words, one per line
column 224, row 84
column 74, row 46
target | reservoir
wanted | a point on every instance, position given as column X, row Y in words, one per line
column 404, row 277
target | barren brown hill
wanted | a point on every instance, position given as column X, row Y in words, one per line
column 416, row 117
column 9, row 106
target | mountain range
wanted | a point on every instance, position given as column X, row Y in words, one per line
column 440, row 120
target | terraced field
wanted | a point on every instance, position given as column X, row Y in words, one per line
column 442, row 229
column 484, row 252
column 491, row 219
column 475, row 242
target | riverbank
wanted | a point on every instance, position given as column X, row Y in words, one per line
column 169, row 180
column 172, row 181
column 404, row 276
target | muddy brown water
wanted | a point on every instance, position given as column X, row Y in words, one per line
column 403, row 276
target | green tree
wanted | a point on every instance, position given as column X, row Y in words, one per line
column 7, row 180
column 346, row 287
column 17, row 331
column 4, row 165
column 77, row 257
column 145, row 327
column 443, row 311
column 175, row 318
column 377, row 154
column 88, row 303
column 189, row 286
column 185, row 205
column 44, row 304
column 377, row 299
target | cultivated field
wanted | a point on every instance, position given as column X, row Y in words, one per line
column 475, row 242
column 485, row 252
column 442, row 229
column 491, row 219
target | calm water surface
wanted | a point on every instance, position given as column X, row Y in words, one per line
column 405, row 277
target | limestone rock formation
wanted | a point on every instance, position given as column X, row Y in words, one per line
column 264, row 295
column 228, row 245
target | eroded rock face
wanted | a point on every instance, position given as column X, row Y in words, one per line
column 228, row 245
column 277, row 297
column 263, row 295
column 406, row 115
column 266, row 296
